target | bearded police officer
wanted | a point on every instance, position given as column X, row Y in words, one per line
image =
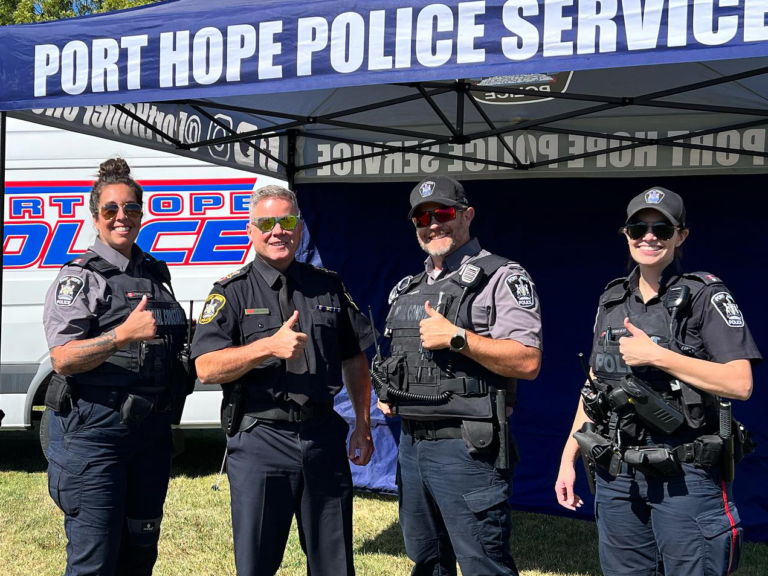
column 463, row 331
column 278, row 335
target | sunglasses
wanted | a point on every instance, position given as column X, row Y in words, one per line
column 131, row 209
column 442, row 215
column 662, row 230
column 287, row 222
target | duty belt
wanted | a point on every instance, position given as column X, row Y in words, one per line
column 289, row 412
column 113, row 397
column 432, row 430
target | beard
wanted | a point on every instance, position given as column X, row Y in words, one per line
column 450, row 242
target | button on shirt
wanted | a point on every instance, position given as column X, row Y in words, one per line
column 701, row 322
column 495, row 312
column 69, row 318
column 246, row 308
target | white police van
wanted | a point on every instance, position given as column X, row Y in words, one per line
column 195, row 218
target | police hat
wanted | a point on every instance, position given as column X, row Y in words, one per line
column 661, row 199
column 438, row 189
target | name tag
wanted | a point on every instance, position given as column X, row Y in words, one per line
column 257, row 312
column 324, row 308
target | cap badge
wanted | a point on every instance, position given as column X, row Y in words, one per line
column 654, row 196
column 426, row 189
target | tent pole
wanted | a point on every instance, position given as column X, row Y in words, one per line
column 291, row 168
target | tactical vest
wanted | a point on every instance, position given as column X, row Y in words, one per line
column 698, row 407
column 466, row 384
column 145, row 366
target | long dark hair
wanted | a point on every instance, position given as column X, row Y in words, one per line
column 113, row 171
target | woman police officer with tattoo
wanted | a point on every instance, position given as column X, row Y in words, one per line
column 114, row 330
column 665, row 347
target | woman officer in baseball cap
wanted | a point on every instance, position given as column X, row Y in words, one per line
column 669, row 350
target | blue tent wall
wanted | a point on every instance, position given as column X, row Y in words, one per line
column 564, row 232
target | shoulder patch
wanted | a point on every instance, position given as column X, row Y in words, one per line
column 213, row 304
column 399, row 288
column 520, row 288
column 704, row 277
column 68, row 289
column 728, row 309
column 237, row 273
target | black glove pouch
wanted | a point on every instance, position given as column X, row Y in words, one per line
column 59, row 393
column 135, row 409
column 743, row 443
column 653, row 461
column 478, row 435
column 706, row 451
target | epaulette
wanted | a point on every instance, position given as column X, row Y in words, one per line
column 402, row 286
column 232, row 275
column 615, row 291
column 705, row 277
column 158, row 267
column 321, row 269
column 93, row 261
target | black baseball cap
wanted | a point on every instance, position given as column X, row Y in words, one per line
column 439, row 189
column 661, row 199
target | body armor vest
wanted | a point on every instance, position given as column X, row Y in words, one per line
column 698, row 407
column 146, row 366
column 463, row 385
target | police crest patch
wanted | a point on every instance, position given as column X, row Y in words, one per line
column 522, row 291
column 427, row 188
column 728, row 309
column 654, row 196
column 213, row 304
column 68, row 289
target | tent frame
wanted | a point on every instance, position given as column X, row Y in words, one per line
column 455, row 129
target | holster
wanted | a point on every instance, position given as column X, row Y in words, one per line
column 743, row 442
column 594, row 447
column 59, row 393
column 232, row 411
column 184, row 378
column 135, row 408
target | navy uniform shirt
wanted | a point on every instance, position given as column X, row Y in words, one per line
column 712, row 319
column 243, row 307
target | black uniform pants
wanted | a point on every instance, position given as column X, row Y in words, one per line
column 278, row 469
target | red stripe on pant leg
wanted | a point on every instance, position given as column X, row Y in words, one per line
column 734, row 532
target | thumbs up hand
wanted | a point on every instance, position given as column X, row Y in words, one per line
column 140, row 325
column 286, row 343
column 435, row 330
column 638, row 349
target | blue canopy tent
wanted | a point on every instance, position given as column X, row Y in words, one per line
column 332, row 95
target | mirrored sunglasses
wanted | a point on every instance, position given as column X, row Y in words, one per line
column 442, row 215
column 287, row 222
column 131, row 209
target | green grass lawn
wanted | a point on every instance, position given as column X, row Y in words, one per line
column 197, row 537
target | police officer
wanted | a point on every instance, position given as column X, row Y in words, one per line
column 666, row 345
column 463, row 331
column 278, row 335
column 114, row 330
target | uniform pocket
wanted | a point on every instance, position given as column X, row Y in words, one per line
column 256, row 327
column 492, row 520
column 65, row 479
column 722, row 536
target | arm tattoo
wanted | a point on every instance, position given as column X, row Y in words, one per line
column 84, row 355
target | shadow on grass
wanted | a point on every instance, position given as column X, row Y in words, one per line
column 21, row 451
column 388, row 541
column 202, row 455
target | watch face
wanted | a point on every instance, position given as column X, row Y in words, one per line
column 458, row 341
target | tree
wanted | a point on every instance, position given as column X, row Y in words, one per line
column 23, row 11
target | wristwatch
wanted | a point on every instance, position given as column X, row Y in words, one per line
column 459, row 340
